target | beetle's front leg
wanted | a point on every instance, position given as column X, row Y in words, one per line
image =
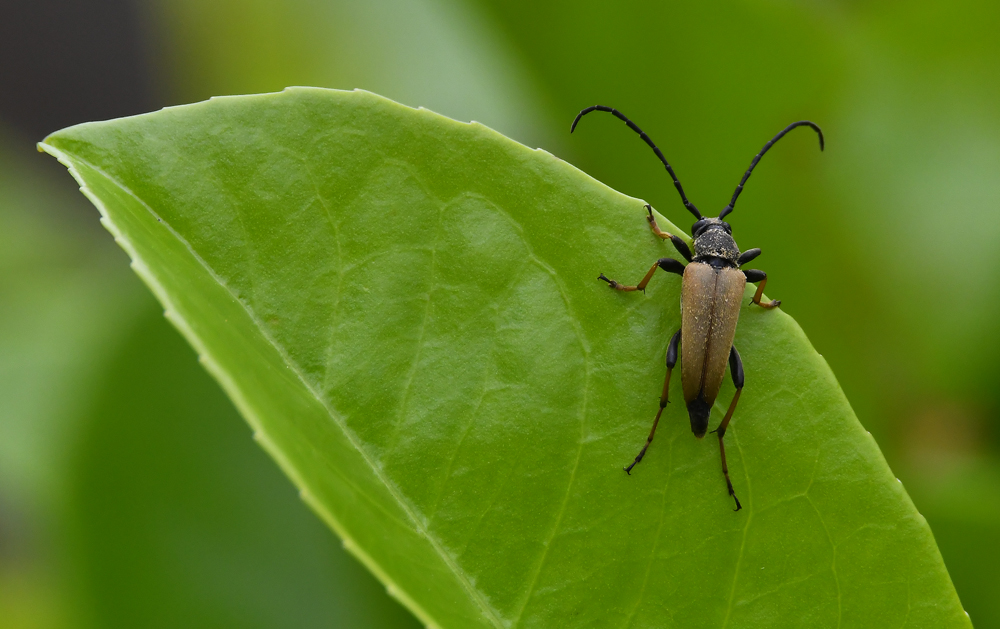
column 667, row 264
column 755, row 276
column 681, row 246
column 653, row 226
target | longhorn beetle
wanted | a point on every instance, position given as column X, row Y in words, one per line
column 711, row 294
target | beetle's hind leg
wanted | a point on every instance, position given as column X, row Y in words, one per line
column 667, row 264
column 755, row 276
column 664, row 398
column 736, row 368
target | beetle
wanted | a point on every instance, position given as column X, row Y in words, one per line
column 711, row 296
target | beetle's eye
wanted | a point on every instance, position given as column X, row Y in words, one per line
column 697, row 227
column 727, row 226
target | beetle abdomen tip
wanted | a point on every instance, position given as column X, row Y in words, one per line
column 699, row 410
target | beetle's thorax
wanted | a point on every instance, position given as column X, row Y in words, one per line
column 715, row 241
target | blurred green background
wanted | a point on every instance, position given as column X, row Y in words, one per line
column 132, row 494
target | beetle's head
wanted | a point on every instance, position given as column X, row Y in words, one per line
column 705, row 224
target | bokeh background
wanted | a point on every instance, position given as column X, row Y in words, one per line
column 131, row 493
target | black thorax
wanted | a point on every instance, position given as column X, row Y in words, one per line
column 716, row 246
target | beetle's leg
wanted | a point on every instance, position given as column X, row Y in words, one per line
column 755, row 276
column 656, row 228
column 667, row 264
column 736, row 369
column 664, row 397
column 681, row 246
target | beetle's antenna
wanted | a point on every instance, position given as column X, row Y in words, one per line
column 645, row 138
column 739, row 188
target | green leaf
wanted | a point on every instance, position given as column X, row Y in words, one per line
column 405, row 308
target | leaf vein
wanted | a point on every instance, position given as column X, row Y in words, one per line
column 746, row 527
column 411, row 374
column 340, row 264
column 583, row 419
column 833, row 564
column 475, row 412
column 656, row 539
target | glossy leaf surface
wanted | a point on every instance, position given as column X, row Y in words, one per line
column 405, row 308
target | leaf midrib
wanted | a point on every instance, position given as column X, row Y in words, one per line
column 393, row 491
